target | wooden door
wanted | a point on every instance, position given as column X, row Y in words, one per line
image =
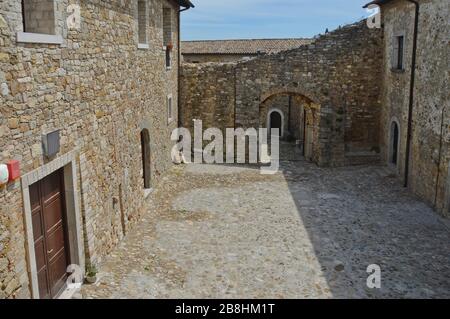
column 50, row 230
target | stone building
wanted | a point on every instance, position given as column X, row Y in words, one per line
column 415, row 114
column 324, row 95
column 89, row 95
column 353, row 96
column 235, row 50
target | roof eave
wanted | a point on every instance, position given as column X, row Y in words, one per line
column 377, row 2
column 186, row 4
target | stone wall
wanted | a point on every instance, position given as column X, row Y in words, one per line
column 338, row 75
column 430, row 143
column 101, row 91
column 208, row 94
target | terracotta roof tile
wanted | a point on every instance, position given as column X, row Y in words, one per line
column 251, row 46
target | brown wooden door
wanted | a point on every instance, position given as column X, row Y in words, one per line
column 49, row 229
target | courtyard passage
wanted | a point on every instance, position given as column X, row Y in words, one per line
column 220, row 231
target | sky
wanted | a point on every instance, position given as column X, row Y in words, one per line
column 260, row 19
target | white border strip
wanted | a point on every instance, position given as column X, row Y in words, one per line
column 28, row 37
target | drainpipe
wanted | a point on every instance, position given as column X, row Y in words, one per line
column 179, row 62
column 411, row 91
column 441, row 141
column 304, row 130
column 289, row 113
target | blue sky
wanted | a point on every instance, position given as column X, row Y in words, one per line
column 236, row 19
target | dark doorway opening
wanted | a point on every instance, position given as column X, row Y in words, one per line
column 276, row 123
column 146, row 159
column 395, row 141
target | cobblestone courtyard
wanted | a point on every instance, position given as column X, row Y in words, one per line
column 307, row 232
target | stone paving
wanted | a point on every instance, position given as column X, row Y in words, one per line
column 220, row 231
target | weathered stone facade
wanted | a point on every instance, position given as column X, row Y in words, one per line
column 355, row 95
column 101, row 91
column 336, row 79
column 429, row 174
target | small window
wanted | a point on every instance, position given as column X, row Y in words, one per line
column 168, row 58
column 169, row 109
column 142, row 21
column 399, row 48
column 38, row 16
column 167, row 26
column 167, row 36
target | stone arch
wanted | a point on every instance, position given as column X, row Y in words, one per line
column 269, row 120
column 394, row 142
column 301, row 118
column 311, row 96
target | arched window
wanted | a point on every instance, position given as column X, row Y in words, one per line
column 146, row 159
column 394, row 143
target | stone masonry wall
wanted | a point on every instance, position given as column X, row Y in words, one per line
column 208, row 94
column 340, row 72
column 101, row 91
column 429, row 175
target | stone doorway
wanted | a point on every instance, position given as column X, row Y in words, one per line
column 300, row 120
column 275, row 124
column 394, row 143
column 47, row 199
column 64, row 170
column 146, row 159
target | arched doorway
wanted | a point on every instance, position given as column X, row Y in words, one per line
column 146, row 159
column 300, row 122
column 394, row 143
column 275, row 122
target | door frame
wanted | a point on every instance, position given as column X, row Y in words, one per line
column 277, row 110
column 73, row 215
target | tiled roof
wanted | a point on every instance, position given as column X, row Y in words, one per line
column 252, row 46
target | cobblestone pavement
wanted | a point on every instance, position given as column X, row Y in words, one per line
column 307, row 232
